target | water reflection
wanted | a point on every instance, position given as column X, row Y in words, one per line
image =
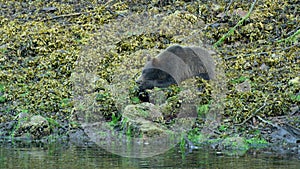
column 70, row 156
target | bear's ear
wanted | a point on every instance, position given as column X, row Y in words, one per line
column 148, row 58
column 155, row 62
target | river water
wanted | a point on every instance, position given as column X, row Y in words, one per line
column 66, row 156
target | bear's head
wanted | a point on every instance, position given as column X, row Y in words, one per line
column 152, row 76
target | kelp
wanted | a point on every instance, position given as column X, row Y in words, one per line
column 41, row 41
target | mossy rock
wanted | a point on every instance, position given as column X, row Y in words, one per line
column 34, row 127
column 144, row 119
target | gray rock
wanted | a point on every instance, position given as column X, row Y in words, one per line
column 34, row 127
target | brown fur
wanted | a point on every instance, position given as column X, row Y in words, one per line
column 181, row 63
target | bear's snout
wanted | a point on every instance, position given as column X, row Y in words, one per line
column 139, row 80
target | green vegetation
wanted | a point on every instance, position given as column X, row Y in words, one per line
column 2, row 97
column 47, row 56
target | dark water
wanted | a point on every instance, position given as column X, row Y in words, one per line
column 62, row 156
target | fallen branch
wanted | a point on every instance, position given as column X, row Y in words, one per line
column 227, row 8
column 230, row 32
column 225, row 12
column 252, row 115
column 291, row 36
column 65, row 15
column 79, row 13
column 267, row 122
column 263, row 53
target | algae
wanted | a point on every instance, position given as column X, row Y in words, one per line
column 41, row 43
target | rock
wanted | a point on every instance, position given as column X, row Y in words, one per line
column 243, row 87
column 22, row 116
column 143, row 119
column 234, row 146
column 157, row 97
column 34, row 127
column 143, row 111
column 49, row 9
column 79, row 138
column 38, row 120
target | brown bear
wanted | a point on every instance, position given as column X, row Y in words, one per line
column 175, row 65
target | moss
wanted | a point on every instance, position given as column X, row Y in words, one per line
column 40, row 50
column 256, row 142
column 2, row 96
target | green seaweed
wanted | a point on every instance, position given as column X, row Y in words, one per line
column 39, row 51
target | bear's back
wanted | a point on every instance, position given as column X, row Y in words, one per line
column 206, row 60
column 199, row 60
